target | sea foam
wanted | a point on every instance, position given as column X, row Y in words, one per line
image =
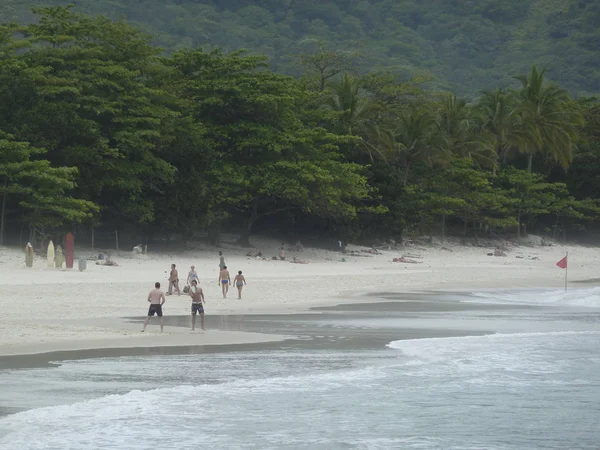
column 589, row 298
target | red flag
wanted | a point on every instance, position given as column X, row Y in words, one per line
column 562, row 263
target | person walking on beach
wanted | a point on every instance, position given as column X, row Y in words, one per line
column 173, row 281
column 224, row 280
column 192, row 275
column 197, row 307
column 156, row 297
column 239, row 281
column 221, row 261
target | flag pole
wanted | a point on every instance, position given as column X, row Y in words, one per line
column 566, row 270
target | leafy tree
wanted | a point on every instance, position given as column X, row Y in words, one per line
column 41, row 190
column 265, row 159
column 322, row 65
column 90, row 105
column 534, row 196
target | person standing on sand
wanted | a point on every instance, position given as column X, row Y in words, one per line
column 192, row 275
column 221, row 261
column 173, row 281
column 197, row 300
column 224, row 280
column 156, row 297
column 239, row 281
column 282, row 252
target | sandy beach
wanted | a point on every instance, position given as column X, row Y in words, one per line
column 46, row 310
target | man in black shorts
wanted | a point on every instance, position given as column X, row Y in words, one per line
column 156, row 297
column 197, row 301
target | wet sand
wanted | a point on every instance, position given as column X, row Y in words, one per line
column 324, row 327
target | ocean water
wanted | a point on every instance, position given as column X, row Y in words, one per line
column 533, row 388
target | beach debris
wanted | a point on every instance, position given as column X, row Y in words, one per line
column 402, row 259
column 372, row 251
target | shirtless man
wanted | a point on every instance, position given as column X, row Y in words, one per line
column 239, row 281
column 224, row 280
column 197, row 300
column 156, row 297
column 173, row 281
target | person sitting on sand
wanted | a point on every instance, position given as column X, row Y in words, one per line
column 192, row 275
column 239, row 281
column 173, row 281
column 224, row 280
column 156, row 297
column 197, row 301
column 298, row 261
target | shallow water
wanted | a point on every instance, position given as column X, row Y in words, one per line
column 534, row 385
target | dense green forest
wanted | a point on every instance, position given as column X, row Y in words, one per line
column 99, row 127
column 466, row 45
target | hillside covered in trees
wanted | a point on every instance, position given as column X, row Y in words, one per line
column 99, row 127
column 466, row 45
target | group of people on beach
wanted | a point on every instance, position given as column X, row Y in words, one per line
column 157, row 297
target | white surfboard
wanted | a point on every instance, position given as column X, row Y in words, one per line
column 50, row 255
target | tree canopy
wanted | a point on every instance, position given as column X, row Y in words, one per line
column 466, row 45
column 101, row 127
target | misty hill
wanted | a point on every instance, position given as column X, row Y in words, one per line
column 467, row 45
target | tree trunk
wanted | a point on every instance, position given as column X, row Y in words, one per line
column 3, row 210
column 443, row 226
column 244, row 238
column 519, row 223
column 465, row 228
column 530, row 162
column 214, row 235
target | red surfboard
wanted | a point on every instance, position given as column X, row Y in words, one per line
column 69, row 250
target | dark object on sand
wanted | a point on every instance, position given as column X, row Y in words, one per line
column 402, row 259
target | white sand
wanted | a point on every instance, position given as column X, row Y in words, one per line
column 44, row 310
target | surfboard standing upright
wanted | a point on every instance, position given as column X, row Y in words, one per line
column 29, row 255
column 69, row 250
column 60, row 257
column 50, row 255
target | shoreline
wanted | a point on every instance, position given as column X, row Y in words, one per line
column 263, row 332
column 49, row 311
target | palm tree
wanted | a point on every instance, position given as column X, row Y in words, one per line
column 499, row 119
column 461, row 133
column 414, row 140
column 547, row 124
column 358, row 114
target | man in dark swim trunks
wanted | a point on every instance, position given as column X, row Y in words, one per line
column 156, row 297
column 224, row 280
column 197, row 307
